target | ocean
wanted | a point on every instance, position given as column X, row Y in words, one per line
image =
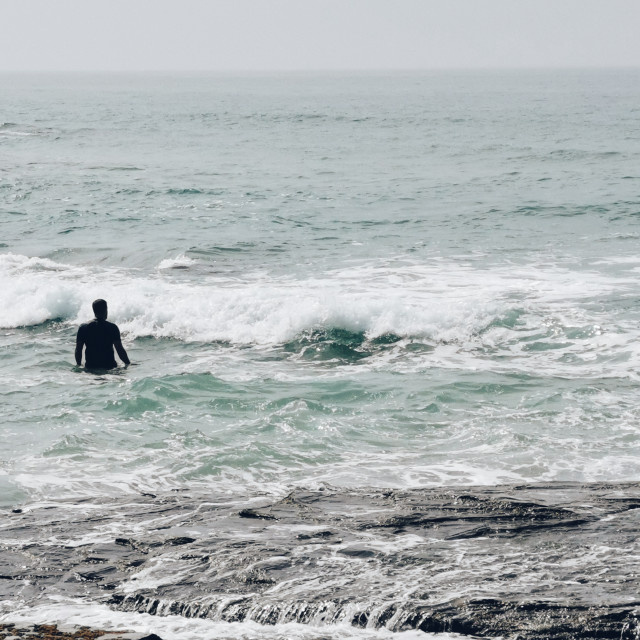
column 385, row 335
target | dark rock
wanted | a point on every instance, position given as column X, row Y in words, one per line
column 251, row 513
column 124, row 542
column 360, row 620
column 135, row 563
column 310, row 536
column 357, row 553
column 180, row 540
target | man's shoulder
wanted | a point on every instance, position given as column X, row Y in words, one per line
column 84, row 325
column 113, row 327
column 103, row 324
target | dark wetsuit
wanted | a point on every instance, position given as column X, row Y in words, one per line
column 99, row 336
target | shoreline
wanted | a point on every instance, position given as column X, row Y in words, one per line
column 9, row 631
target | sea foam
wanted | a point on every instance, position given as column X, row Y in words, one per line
column 439, row 302
column 251, row 311
column 69, row 613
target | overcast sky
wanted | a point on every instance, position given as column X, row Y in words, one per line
column 229, row 35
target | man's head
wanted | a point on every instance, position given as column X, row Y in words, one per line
column 100, row 309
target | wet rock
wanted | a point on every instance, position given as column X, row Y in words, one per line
column 179, row 541
column 252, row 513
column 534, row 562
column 357, row 552
column 312, row 536
column 125, row 542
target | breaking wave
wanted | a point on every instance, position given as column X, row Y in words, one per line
column 344, row 313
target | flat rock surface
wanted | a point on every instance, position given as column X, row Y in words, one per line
column 533, row 562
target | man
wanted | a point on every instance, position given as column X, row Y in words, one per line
column 100, row 336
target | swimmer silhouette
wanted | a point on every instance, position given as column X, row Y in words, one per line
column 99, row 337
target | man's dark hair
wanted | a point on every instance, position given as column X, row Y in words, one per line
column 99, row 307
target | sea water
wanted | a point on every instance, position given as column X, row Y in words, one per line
column 326, row 283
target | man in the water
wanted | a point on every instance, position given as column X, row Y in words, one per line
column 100, row 337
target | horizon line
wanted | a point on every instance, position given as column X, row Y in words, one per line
column 330, row 70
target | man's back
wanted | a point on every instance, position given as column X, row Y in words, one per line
column 99, row 337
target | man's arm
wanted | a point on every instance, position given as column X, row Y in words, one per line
column 79, row 347
column 121, row 352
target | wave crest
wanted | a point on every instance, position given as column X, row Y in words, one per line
column 365, row 305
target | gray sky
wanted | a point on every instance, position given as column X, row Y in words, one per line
column 228, row 35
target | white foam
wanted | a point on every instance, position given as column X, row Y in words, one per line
column 16, row 134
column 33, row 290
column 71, row 613
column 441, row 302
column 254, row 311
column 179, row 262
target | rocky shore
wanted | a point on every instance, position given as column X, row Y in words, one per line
column 534, row 562
column 52, row 632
